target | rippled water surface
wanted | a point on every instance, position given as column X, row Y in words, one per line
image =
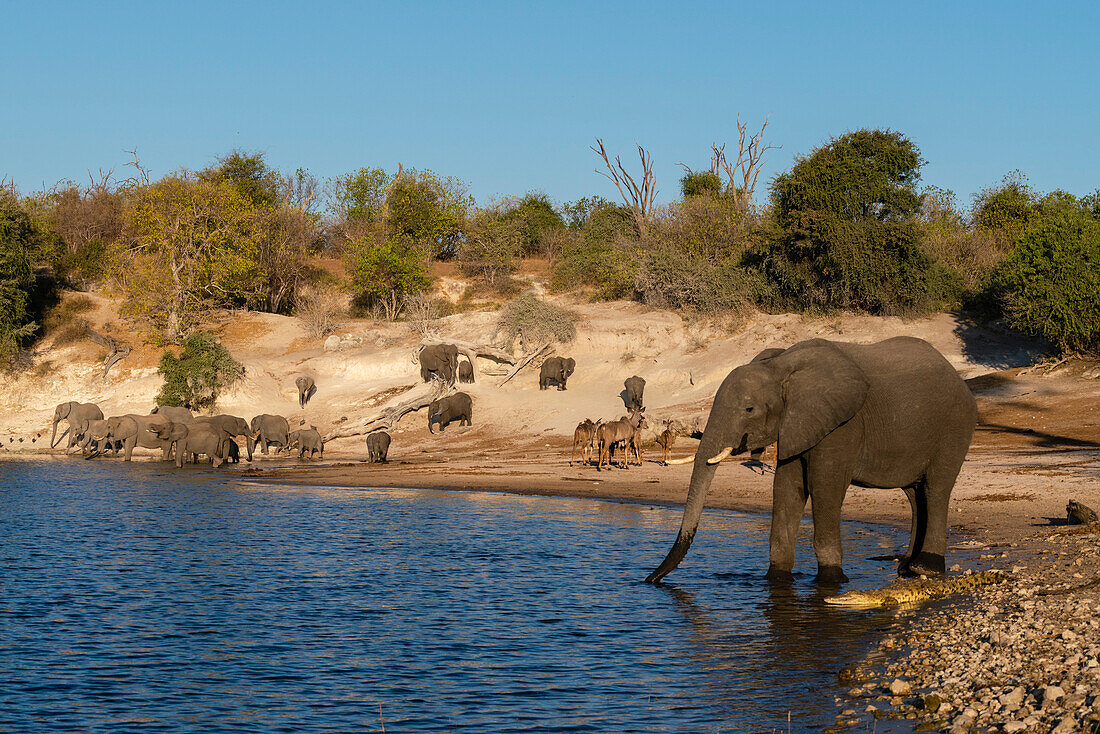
column 133, row 597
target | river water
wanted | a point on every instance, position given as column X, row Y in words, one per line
column 138, row 598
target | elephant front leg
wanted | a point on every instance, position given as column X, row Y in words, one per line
column 788, row 503
column 828, row 479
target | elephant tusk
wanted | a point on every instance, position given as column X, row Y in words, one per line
column 720, row 455
column 685, row 460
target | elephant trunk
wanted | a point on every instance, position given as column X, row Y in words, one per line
column 701, row 476
column 53, row 436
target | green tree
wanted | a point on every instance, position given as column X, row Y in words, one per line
column 360, row 195
column 701, row 183
column 22, row 296
column 851, row 234
column 493, row 242
column 386, row 273
column 201, row 372
column 250, row 175
column 1007, row 207
column 1050, row 284
column 536, row 218
column 426, row 209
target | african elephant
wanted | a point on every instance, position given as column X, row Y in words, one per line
column 74, row 413
column 556, row 369
column 133, row 431
column 306, row 388
column 441, row 359
column 635, row 387
column 233, row 426
column 98, row 426
column 890, row 414
column 270, row 429
column 465, row 371
column 172, row 413
column 453, row 407
column 192, row 439
column 307, row 439
column 378, row 445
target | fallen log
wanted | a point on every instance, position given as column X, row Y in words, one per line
column 545, row 349
column 116, row 352
column 388, row 417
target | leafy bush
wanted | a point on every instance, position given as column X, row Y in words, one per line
column 1050, row 284
column 201, row 372
column 701, row 183
column 493, row 243
column 18, row 239
column 535, row 321
column 1007, row 207
column 672, row 278
column 851, row 233
column 385, row 273
column 605, row 269
column 535, row 218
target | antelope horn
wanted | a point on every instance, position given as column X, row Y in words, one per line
column 720, row 455
column 685, row 460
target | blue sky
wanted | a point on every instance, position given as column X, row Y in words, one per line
column 508, row 96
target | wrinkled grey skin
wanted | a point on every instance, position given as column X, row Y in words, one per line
column 635, row 387
column 556, row 369
column 88, row 445
column 453, row 407
column 378, row 446
column 442, row 359
column 307, row 439
column 133, row 431
column 192, row 439
column 465, row 371
column 623, row 432
column 74, row 413
column 306, row 388
column 172, row 413
column 891, row 414
column 268, row 430
column 233, row 426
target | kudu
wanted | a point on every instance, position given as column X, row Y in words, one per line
column 623, row 431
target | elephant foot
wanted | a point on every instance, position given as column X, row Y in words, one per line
column 925, row 564
column 781, row 575
column 830, row 575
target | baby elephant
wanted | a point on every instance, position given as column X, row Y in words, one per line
column 307, row 439
column 453, row 407
column 378, row 445
column 306, row 388
column 465, row 371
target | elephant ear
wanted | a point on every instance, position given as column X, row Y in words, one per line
column 822, row 388
column 768, row 354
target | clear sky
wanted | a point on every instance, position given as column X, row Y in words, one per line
column 508, row 96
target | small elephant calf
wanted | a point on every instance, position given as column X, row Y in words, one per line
column 465, row 371
column 453, row 407
column 378, row 445
column 307, row 439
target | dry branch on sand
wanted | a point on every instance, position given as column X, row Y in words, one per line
column 391, row 414
column 524, row 361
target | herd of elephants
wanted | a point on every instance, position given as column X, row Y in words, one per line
column 893, row 414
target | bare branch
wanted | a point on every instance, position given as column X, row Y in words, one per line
column 742, row 174
column 639, row 198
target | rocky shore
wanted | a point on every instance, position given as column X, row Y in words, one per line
column 1021, row 656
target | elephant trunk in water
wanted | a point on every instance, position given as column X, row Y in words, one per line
column 710, row 447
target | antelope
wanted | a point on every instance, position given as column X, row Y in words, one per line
column 665, row 440
column 623, row 431
column 583, row 436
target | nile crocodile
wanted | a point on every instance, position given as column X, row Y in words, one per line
column 908, row 592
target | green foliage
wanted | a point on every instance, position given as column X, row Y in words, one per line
column 535, row 321
column 852, row 238
column 605, row 269
column 250, row 175
column 494, row 241
column 361, row 195
column 1050, row 284
column 201, row 372
column 669, row 277
column 701, row 183
column 385, row 273
column 19, row 239
column 1007, row 207
column 423, row 208
column 535, row 217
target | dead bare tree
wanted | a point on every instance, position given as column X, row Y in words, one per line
column 741, row 174
column 639, row 197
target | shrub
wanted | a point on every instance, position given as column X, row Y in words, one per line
column 383, row 274
column 701, row 183
column 605, row 269
column 64, row 322
column 675, row 279
column 493, row 243
column 18, row 239
column 1008, row 206
column 1050, row 284
column 320, row 308
column 201, row 372
column 535, row 321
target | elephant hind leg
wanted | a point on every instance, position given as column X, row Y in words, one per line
column 927, row 556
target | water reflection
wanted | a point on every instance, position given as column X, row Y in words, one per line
column 134, row 597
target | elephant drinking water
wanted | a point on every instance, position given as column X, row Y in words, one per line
column 75, row 413
column 891, row 414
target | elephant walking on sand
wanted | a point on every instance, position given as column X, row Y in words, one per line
column 453, row 407
column 378, row 446
column 440, row 359
column 307, row 439
column 891, row 414
column 557, row 370
column 306, row 388
column 75, row 413
column 270, row 430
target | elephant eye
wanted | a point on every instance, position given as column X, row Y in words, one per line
column 748, row 409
